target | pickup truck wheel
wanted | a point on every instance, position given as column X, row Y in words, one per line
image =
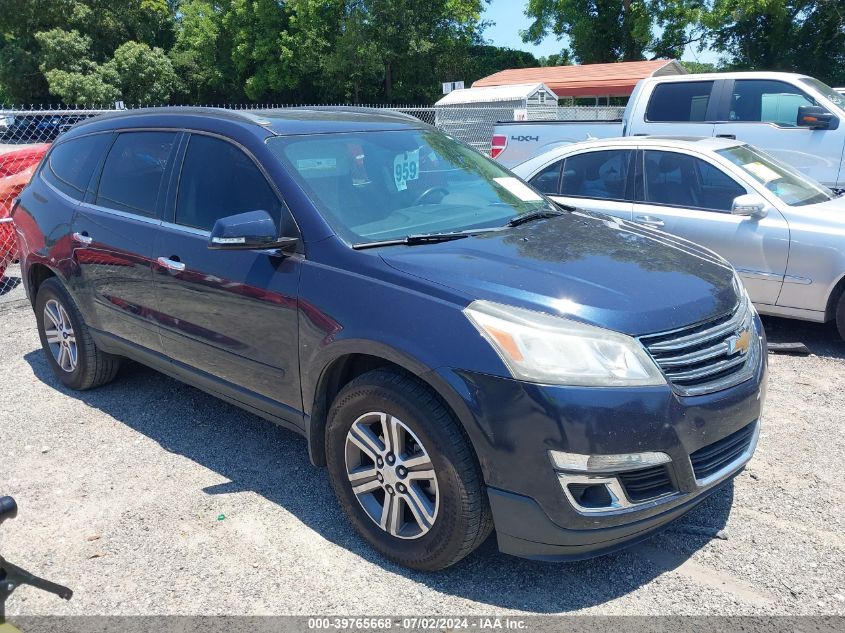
column 68, row 346
column 840, row 315
column 404, row 472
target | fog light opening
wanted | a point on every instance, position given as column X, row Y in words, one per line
column 591, row 495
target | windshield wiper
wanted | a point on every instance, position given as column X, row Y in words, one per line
column 535, row 215
column 413, row 240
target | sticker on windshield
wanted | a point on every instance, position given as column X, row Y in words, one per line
column 765, row 173
column 316, row 164
column 406, row 167
column 519, row 189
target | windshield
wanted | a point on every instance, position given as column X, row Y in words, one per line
column 791, row 186
column 829, row 93
column 377, row 186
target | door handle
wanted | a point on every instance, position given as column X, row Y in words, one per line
column 82, row 238
column 171, row 264
column 649, row 219
column 731, row 136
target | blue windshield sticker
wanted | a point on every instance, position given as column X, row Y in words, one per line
column 406, row 167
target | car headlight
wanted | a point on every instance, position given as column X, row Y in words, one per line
column 742, row 292
column 543, row 348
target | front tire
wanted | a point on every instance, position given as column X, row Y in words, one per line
column 840, row 315
column 404, row 473
column 71, row 352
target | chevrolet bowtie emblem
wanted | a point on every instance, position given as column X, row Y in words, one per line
column 739, row 343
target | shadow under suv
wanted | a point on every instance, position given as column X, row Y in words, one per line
column 458, row 351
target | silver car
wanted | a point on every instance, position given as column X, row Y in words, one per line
column 783, row 231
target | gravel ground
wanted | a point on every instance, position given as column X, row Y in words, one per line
column 150, row 497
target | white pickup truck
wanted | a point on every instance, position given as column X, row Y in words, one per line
column 793, row 117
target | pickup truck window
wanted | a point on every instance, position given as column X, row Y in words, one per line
column 601, row 175
column 791, row 186
column 768, row 101
column 680, row 180
column 679, row 101
column 386, row 185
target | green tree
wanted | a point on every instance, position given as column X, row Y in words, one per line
column 616, row 30
column 562, row 58
column 95, row 88
column 384, row 50
column 20, row 20
column 202, row 53
column 700, row 67
column 33, row 33
column 260, row 51
column 71, row 73
column 144, row 75
column 805, row 36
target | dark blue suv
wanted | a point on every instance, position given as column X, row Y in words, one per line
column 460, row 353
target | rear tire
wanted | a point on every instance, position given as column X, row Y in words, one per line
column 71, row 352
column 443, row 512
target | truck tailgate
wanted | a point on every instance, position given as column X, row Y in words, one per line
column 526, row 139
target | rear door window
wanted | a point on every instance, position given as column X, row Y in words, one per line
column 133, row 171
column 679, row 101
column 219, row 180
column 548, row 179
column 601, row 175
column 72, row 163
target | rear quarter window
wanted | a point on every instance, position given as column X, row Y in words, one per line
column 71, row 164
column 679, row 101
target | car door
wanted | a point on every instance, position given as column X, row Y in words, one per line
column 230, row 314
column 764, row 112
column 691, row 197
column 115, row 229
column 596, row 180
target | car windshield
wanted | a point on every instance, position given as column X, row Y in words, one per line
column 829, row 93
column 386, row 185
column 791, row 186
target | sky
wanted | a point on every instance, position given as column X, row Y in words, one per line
column 510, row 20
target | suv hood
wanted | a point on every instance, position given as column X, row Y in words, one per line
column 595, row 268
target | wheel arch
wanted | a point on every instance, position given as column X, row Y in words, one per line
column 36, row 274
column 833, row 298
column 353, row 360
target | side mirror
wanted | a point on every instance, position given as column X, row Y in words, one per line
column 816, row 118
column 750, row 205
column 249, row 231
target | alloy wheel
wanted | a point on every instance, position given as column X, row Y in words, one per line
column 60, row 337
column 392, row 475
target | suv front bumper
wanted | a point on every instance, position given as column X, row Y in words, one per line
column 513, row 425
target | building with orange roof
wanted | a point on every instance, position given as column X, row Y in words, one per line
column 588, row 80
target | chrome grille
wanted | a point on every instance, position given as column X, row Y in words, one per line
column 708, row 356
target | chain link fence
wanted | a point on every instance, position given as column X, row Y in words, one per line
column 25, row 135
column 473, row 124
column 17, row 164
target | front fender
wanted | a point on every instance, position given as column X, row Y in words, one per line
column 343, row 313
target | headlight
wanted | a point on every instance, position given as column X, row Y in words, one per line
column 742, row 291
column 539, row 347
